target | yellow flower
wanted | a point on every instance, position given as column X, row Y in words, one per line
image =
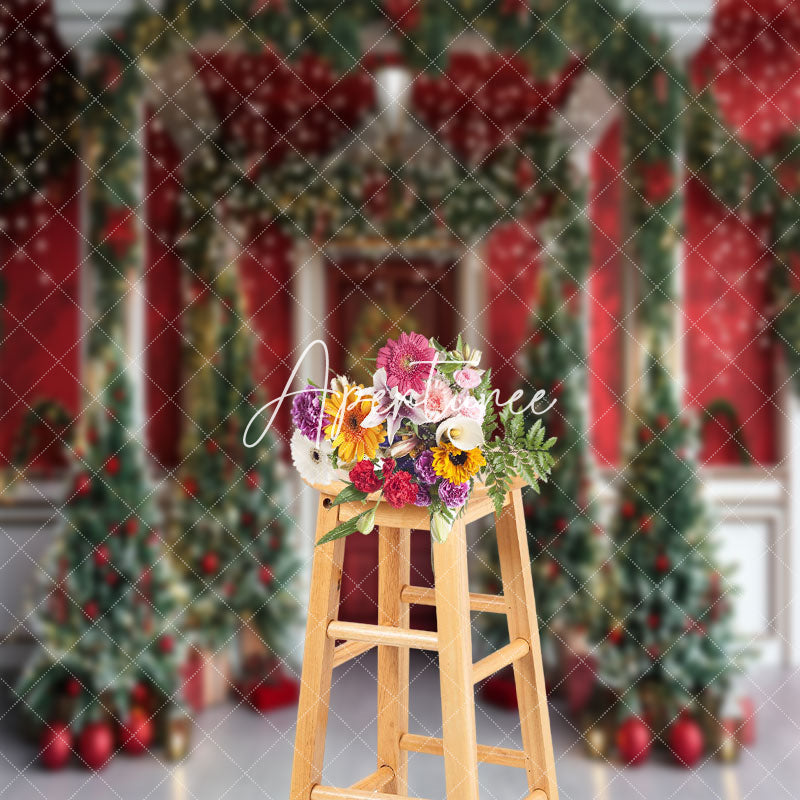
column 347, row 410
column 456, row 466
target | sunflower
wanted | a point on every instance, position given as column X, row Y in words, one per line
column 454, row 465
column 347, row 410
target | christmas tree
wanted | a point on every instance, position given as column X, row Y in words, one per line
column 105, row 619
column 562, row 532
column 233, row 545
column 266, row 566
column 668, row 640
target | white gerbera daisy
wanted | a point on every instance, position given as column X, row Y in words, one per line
column 312, row 462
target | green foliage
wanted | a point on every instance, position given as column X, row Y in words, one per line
column 668, row 627
column 516, row 452
column 108, row 598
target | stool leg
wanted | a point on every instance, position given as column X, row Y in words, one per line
column 455, row 666
column 394, row 572
column 315, row 685
column 515, row 567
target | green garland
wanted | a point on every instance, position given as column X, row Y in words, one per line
column 753, row 185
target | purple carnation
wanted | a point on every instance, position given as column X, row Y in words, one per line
column 454, row 495
column 423, row 497
column 306, row 412
column 423, row 466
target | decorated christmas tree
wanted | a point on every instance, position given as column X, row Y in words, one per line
column 562, row 533
column 233, row 543
column 104, row 621
column 265, row 564
column 668, row 644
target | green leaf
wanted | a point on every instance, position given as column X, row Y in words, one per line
column 345, row 529
column 348, row 495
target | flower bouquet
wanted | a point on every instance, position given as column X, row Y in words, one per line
column 423, row 434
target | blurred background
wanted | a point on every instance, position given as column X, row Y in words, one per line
column 591, row 193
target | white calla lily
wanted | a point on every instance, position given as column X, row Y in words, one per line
column 463, row 432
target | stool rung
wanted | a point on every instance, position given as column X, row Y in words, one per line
column 506, row 655
column 506, row 757
column 422, row 596
column 383, row 635
column 332, row 793
column 347, row 651
column 376, row 781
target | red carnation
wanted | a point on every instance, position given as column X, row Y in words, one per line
column 364, row 478
column 399, row 489
column 388, row 467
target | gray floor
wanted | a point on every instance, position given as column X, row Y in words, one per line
column 239, row 754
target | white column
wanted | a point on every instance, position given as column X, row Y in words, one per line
column 787, row 601
column 309, row 291
column 472, row 293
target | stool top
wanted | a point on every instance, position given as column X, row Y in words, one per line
column 478, row 506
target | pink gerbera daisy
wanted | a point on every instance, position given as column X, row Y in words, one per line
column 408, row 362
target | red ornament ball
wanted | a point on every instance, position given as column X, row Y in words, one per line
column 55, row 745
column 252, row 480
column 653, row 621
column 137, row 733
column 265, row 575
column 112, row 465
column 628, row 509
column 72, row 687
column 633, row 741
column 645, row 435
column 662, row 420
column 562, row 523
column 140, row 694
column 91, row 609
column 616, row 634
column 166, row 644
column 83, row 484
column 662, row 562
column 646, row 524
column 553, row 570
column 211, row 446
column 685, row 741
column 95, row 745
column 131, row 526
column 102, row 555
column 190, row 487
column 209, row 563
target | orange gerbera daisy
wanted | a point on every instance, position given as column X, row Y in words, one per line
column 347, row 410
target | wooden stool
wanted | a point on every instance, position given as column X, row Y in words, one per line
column 393, row 638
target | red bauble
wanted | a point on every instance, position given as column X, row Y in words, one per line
column 137, row 734
column 662, row 420
column 166, row 644
column 72, row 687
column 212, row 446
column 140, row 694
column 653, row 621
column 209, row 563
column 265, row 575
column 96, row 745
column 646, row 524
column 645, row 435
column 553, row 569
column 616, row 634
column 685, row 741
column 662, row 562
column 252, row 480
column 102, row 555
column 628, row 509
column 562, row 523
column 131, row 526
column 91, row 609
column 55, row 745
column 190, row 487
column 633, row 741
column 403, row 13
column 112, row 465
column 83, row 484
